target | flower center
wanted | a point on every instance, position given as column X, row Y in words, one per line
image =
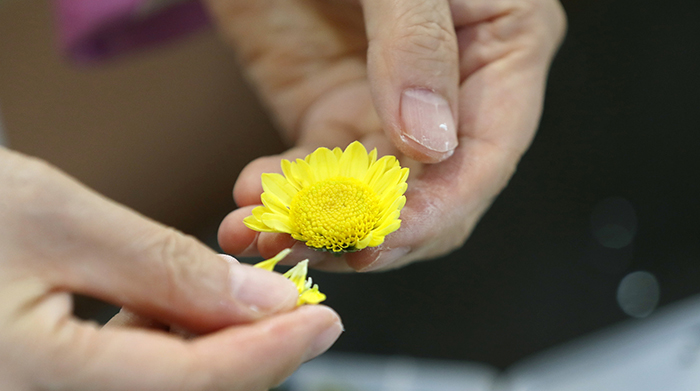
column 334, row 214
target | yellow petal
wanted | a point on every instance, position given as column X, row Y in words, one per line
column 277, row 222
column 338, row 153
column 311, row 296
column 387, row 181
column 354, row 161
column 364, row 242
column 269, row 264
column 279, row 186
column 274, row 204
column 387, row 218
column 375, row 172
column 288, row 170
column 297, row 274
column 324, row 163
column 303, row 172
column 388, row 228
column 372, row 156
column 376, row 240
column 254, row 222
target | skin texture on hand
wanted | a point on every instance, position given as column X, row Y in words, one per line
column 453, row 88
column 58, row 237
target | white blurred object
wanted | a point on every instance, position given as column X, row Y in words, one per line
column 350, row 372
column 658, row 353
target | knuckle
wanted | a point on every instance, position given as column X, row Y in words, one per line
column 34, row 196
column 544, row 19
column 177, row 256
column 24, row 178
column 559, row 17
column 549, row 11
column 427, row 35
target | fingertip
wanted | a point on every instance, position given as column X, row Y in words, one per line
column 248, row 186
column 234, row 237
column 330, row 327
column 325, row 315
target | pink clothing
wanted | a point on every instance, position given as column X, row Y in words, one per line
column 89, row 30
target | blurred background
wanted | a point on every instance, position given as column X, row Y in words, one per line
column 599, row 224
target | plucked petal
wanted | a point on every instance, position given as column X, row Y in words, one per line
column 269, row 264
column 311, row 296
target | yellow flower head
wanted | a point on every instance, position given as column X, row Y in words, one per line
column 308, row 291
column 335, row 200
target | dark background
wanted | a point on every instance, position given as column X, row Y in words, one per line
column 621, row 122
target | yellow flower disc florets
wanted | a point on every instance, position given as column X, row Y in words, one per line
column 334, row 214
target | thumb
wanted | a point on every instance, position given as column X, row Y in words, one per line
column 79, row 241
column 163, row 274
column 413, row 69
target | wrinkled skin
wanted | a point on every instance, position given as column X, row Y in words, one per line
column 335, row 71
column 58, row 237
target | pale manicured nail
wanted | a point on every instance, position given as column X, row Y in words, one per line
column 262, row 291
column 323, row 340
column 428, row 120
column 386, row 258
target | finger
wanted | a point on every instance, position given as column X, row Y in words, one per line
column 296, row 52
column 268, row 354
column 505, row 54
column 93, row 246
column 413, row 69
column 252, row 357
column 234, row 237
column 248, row 186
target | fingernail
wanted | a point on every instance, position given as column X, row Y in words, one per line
column 323, row 340
column 228, row 258
column 260, row 290
column 386, row 258
column 428, row 120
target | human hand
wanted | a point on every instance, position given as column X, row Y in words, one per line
column 453, row 88
column 57, row 237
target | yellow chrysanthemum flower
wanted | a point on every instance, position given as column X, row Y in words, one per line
column 335, row 200
column 308, row 291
